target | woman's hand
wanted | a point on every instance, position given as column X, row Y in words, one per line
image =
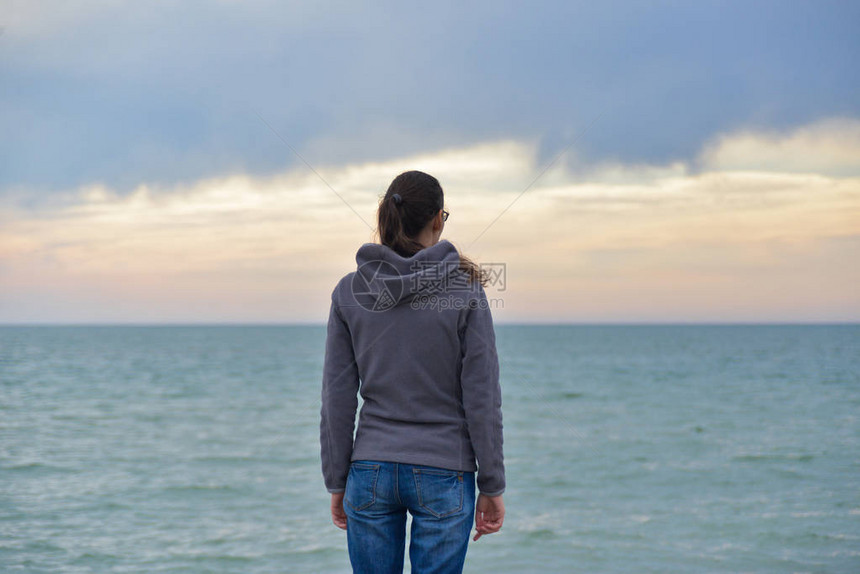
column 489, row 514
column 338, row 516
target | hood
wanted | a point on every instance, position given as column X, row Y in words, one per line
column 385, row 279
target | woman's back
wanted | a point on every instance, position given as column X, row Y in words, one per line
column 426, row 362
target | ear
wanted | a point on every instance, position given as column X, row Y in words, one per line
column 437, row 221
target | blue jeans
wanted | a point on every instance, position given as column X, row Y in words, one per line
column 442, row 504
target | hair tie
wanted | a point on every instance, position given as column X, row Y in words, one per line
column 397, row 199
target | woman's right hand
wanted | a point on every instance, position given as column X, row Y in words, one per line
column 489, row 514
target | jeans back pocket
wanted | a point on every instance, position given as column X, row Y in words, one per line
column 361, row 485
column 440, row 491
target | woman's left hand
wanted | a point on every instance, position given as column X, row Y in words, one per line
column 338, row 516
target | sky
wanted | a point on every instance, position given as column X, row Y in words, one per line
column 627, row 162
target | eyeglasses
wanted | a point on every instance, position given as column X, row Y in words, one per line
column 445, row 215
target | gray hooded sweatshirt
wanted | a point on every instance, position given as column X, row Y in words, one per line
column 415, row 337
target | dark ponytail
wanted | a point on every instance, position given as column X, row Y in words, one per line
column 412, row 200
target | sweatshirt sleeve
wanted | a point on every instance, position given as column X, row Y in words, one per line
column 340, row 383
column 482, row 396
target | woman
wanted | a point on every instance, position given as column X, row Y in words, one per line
column 413, row 325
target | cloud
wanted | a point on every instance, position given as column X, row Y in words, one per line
column 613, row 242
column 164, row 93
column 829, row 147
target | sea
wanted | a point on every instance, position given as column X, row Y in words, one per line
column 628, row 448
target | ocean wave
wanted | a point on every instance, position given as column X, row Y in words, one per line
column 769, row 457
